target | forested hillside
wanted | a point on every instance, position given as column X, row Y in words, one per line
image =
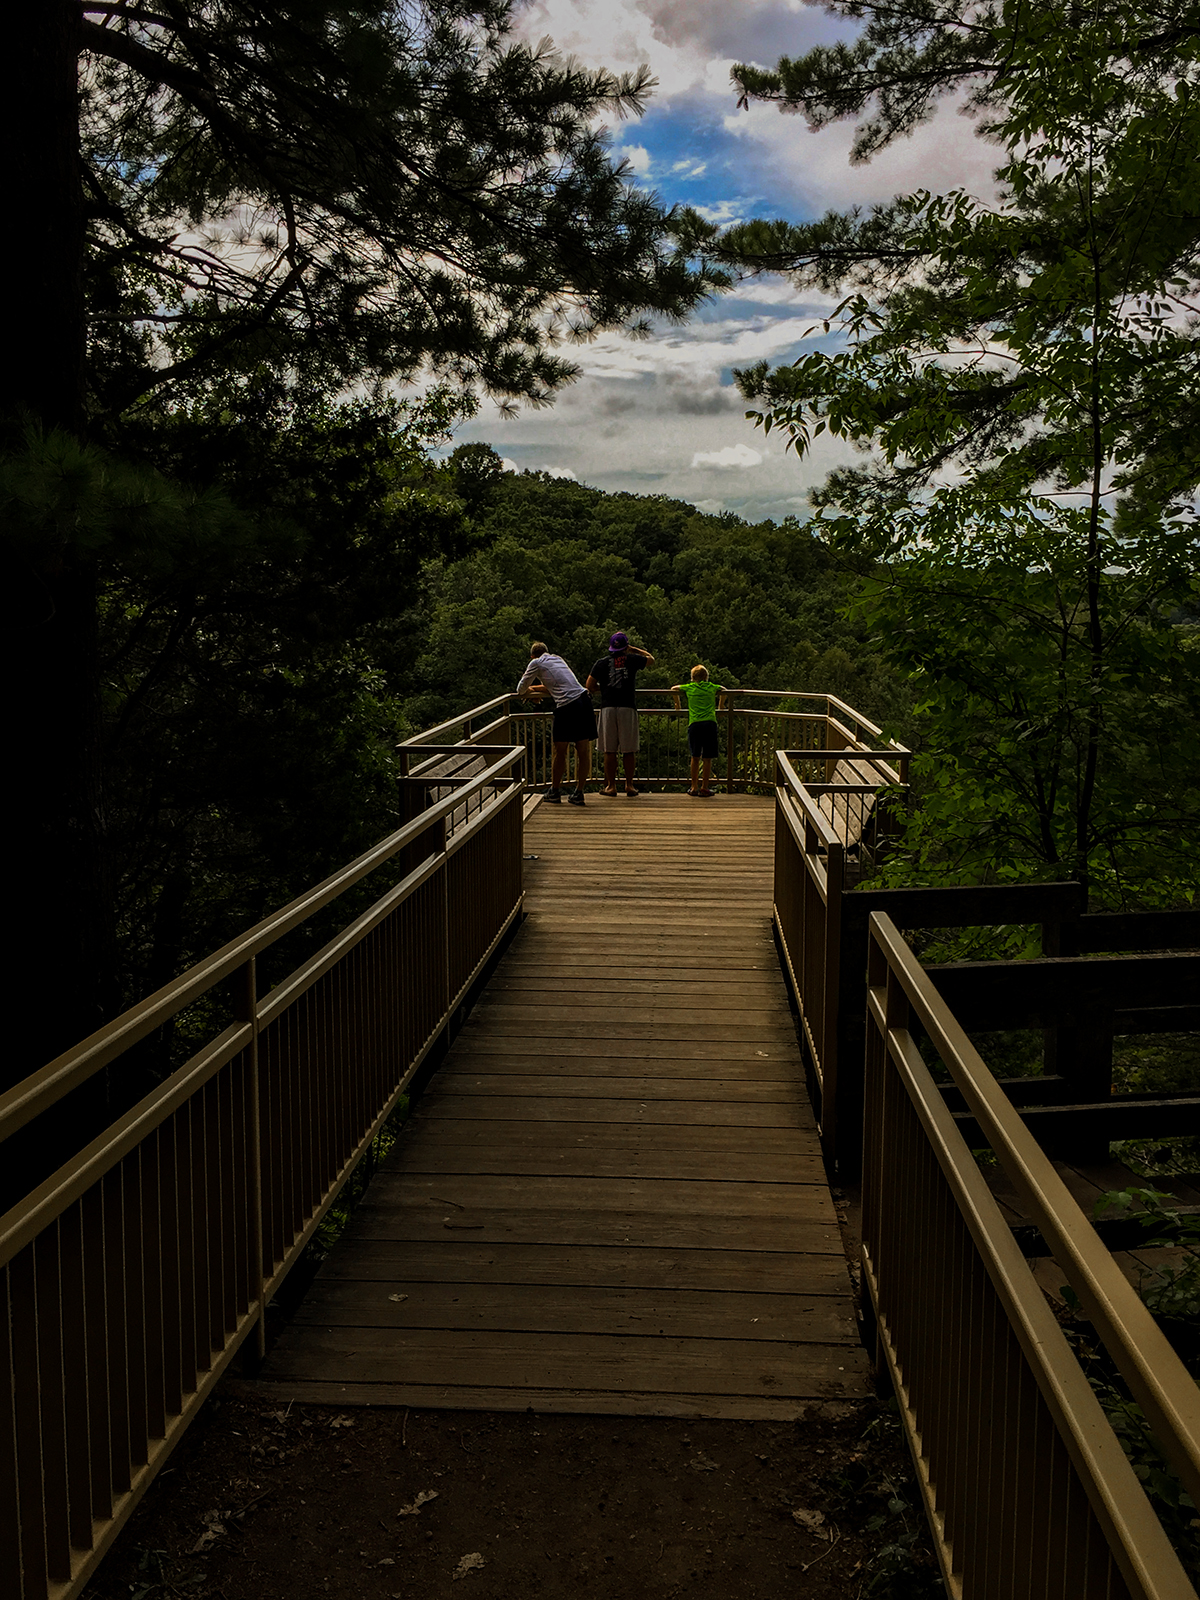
column 762, row 605
column 253, row 701
column 234, row 586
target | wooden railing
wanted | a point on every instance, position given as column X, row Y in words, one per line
column 132, row 1275
column 753, row 724
column 1026, row 1485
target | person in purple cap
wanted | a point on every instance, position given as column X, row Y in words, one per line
column 615, row 676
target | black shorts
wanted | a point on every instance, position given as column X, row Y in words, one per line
column 575, row 721
column 702, row 740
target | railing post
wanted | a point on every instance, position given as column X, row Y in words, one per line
column 729, row 750
column 247, row 1010
column 440, row 845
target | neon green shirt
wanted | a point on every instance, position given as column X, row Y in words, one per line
column 701, row 700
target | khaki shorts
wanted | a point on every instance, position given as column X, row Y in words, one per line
column 618, row 730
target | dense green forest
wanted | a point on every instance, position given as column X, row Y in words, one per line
column 252, row 705
column 234, row 585
column 252, row 709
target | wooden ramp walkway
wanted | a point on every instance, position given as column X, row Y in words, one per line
column 611, row 1197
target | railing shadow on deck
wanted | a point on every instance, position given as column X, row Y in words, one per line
column 132, row 1275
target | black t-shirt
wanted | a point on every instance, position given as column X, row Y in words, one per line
column 617, row 677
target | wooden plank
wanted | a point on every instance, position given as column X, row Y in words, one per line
column 614, row 1363
column 703, row 1113
column 966, row 905
column 459, row 1258
column 734, row 1166
column 664, row 967
column 580, row 1308
column 474, row 1194
column 692, row 954
column 561, row 919
column 1017, row 994
column 697, row 1051
column 551, row 1005
column 638, row 1088
column 574, row 1225
column 459, row 1074
column 611, row 1197
column 633, row 1139
column 1101, row 1120
column 549, row 1402
column 762, row 987
column 524, row 1022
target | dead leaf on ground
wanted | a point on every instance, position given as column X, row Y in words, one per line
column 813, row 1521
column 423, row 1499
column 214, row 1529
column 702, row 1463
column 471, row 1563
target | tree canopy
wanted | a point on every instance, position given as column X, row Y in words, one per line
column 235, row 207
column 1020, row 373
column 361, row 191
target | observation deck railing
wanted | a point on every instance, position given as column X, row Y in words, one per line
column 133, row 1274
column 753, row 725
column 1026, row 1485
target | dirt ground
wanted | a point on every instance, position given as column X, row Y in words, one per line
column 264, row 1502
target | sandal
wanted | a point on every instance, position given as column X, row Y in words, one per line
column 706, row 794
column 609, row 794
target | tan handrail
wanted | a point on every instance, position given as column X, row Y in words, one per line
column 164, row 1239
column 456, row 722
column 798, row 795
column 42, row 1089
column 1156, row 1377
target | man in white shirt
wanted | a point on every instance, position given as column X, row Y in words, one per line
column 574, row 719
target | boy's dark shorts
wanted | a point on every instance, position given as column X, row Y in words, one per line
column 702, row 740
column 575, row 721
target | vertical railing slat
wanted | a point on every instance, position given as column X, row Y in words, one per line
column 26, row 1378
column 75, row 1377
column 11, row 1564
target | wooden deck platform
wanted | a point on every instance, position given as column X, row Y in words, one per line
column 611, row 1197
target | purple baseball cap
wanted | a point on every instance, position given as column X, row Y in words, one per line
column 617, row 643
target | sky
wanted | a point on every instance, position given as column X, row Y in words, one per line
column 662, row 416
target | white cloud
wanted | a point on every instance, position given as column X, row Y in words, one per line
column 734, row 455
column 716, row 76
column 558, row 472
column 508, row 464
column 723, row 213
column 637, row 156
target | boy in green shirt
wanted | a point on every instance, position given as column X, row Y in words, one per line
column 704, row 701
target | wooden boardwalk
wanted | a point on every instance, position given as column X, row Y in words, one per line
column 611, row 1197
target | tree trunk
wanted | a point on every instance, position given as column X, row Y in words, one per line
column 60, row 968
